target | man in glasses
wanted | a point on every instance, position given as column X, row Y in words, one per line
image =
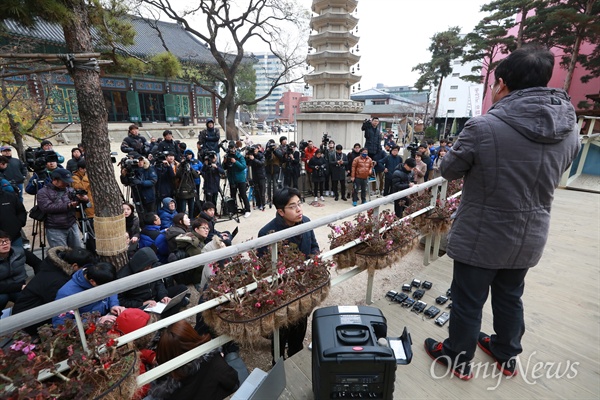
column 289, row 213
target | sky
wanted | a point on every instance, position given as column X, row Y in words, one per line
column 394, row 34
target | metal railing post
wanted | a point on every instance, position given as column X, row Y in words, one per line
column 370, row 271
column 79, row 323
column 274, row 258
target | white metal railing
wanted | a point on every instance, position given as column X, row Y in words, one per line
column 46, row 311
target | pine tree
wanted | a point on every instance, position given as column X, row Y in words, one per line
column 445, row 47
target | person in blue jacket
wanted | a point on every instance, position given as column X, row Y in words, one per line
column 235, row 165
column 167, row 212
column 87, row 278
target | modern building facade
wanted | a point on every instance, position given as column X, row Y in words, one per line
column 268, row 68
column 288, row 106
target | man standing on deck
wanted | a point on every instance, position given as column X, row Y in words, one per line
column 502, row 222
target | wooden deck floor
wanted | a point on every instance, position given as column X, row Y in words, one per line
column 561, row 357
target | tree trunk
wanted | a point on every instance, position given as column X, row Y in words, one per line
column 437, row 100
column 232, row 130
column 524, row 12
column 110, row 242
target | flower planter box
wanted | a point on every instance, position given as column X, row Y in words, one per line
column 122, row 385
column 347, row 258
column 250, row 330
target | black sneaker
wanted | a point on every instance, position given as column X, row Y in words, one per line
column 508, row 368
column 436, row 352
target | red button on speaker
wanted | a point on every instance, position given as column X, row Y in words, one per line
column 357, row 348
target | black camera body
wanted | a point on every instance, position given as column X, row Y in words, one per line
column 302, row 145
column 37, row 158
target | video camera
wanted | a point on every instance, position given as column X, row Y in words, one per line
column 325, row 140
column 303, row 145
column 162, row 156
column 73, row 196
column 36, row 158
column 413, row 147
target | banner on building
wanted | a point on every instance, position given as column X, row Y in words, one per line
column 476, row 97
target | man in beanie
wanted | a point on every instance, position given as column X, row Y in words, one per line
column 209, row 138
column 402, row 179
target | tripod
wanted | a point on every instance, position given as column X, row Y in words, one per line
column 86, row 227
column 38, row 227
column 228, row 204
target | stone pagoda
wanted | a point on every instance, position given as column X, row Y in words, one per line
column 332, row 53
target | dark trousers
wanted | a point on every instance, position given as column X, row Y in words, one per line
column 399, row 207
column 360, row 184
column 182, row 204
column 293, row 335
column 470, row 288
column 318, row 188
column 334, row 187
column 272, row 185
column 240, row 187
column 387, row 185
column 259, row 192
column 290, row 180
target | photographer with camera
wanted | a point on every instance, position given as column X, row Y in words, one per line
column 209, row 138
column 137, row 173
column 291, row 166
column 337, row 170
column 134, row 142
column 185, row 194
column 81, row 184
column 45, row 164
column 372, row 136
column 166, row 169
column 16, row 170
column 318, row 165
column 256, row 160
column 168, row 145
column 235, row 165
column 60, row 201
column 46, row 146
column 273, row 169
column 328, row 149
column 211, row 172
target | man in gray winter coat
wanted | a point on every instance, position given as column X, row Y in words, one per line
column 502, row 223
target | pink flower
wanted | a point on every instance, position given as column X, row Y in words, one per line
column 30, row 356
column 70, row 350
column 257, row 305
column 18, row 345
column 280, row 270
column 279, row 292
column 257, row 267
column 28, row 348
column 270, row 302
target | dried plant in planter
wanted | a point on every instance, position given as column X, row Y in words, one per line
column 347, row 232
column 284, row 294
column 418, row 202
column 388, row 244
column 378, row 250
column 440, row 218
column 103, row 372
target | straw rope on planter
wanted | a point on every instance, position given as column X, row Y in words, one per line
column 368, row 259
column 439, row 224
column 250, row 331
column 347, row 258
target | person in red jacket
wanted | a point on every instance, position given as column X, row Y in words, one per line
column 362, row 168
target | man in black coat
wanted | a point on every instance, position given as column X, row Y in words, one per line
column 14, row 216
column 289, row 213
column 372, row 136
column 134, row 142
column 56, row 270
column 402, row 179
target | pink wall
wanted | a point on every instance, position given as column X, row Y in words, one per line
column 577, row 91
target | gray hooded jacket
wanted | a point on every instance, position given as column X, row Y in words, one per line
column 512, row 160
